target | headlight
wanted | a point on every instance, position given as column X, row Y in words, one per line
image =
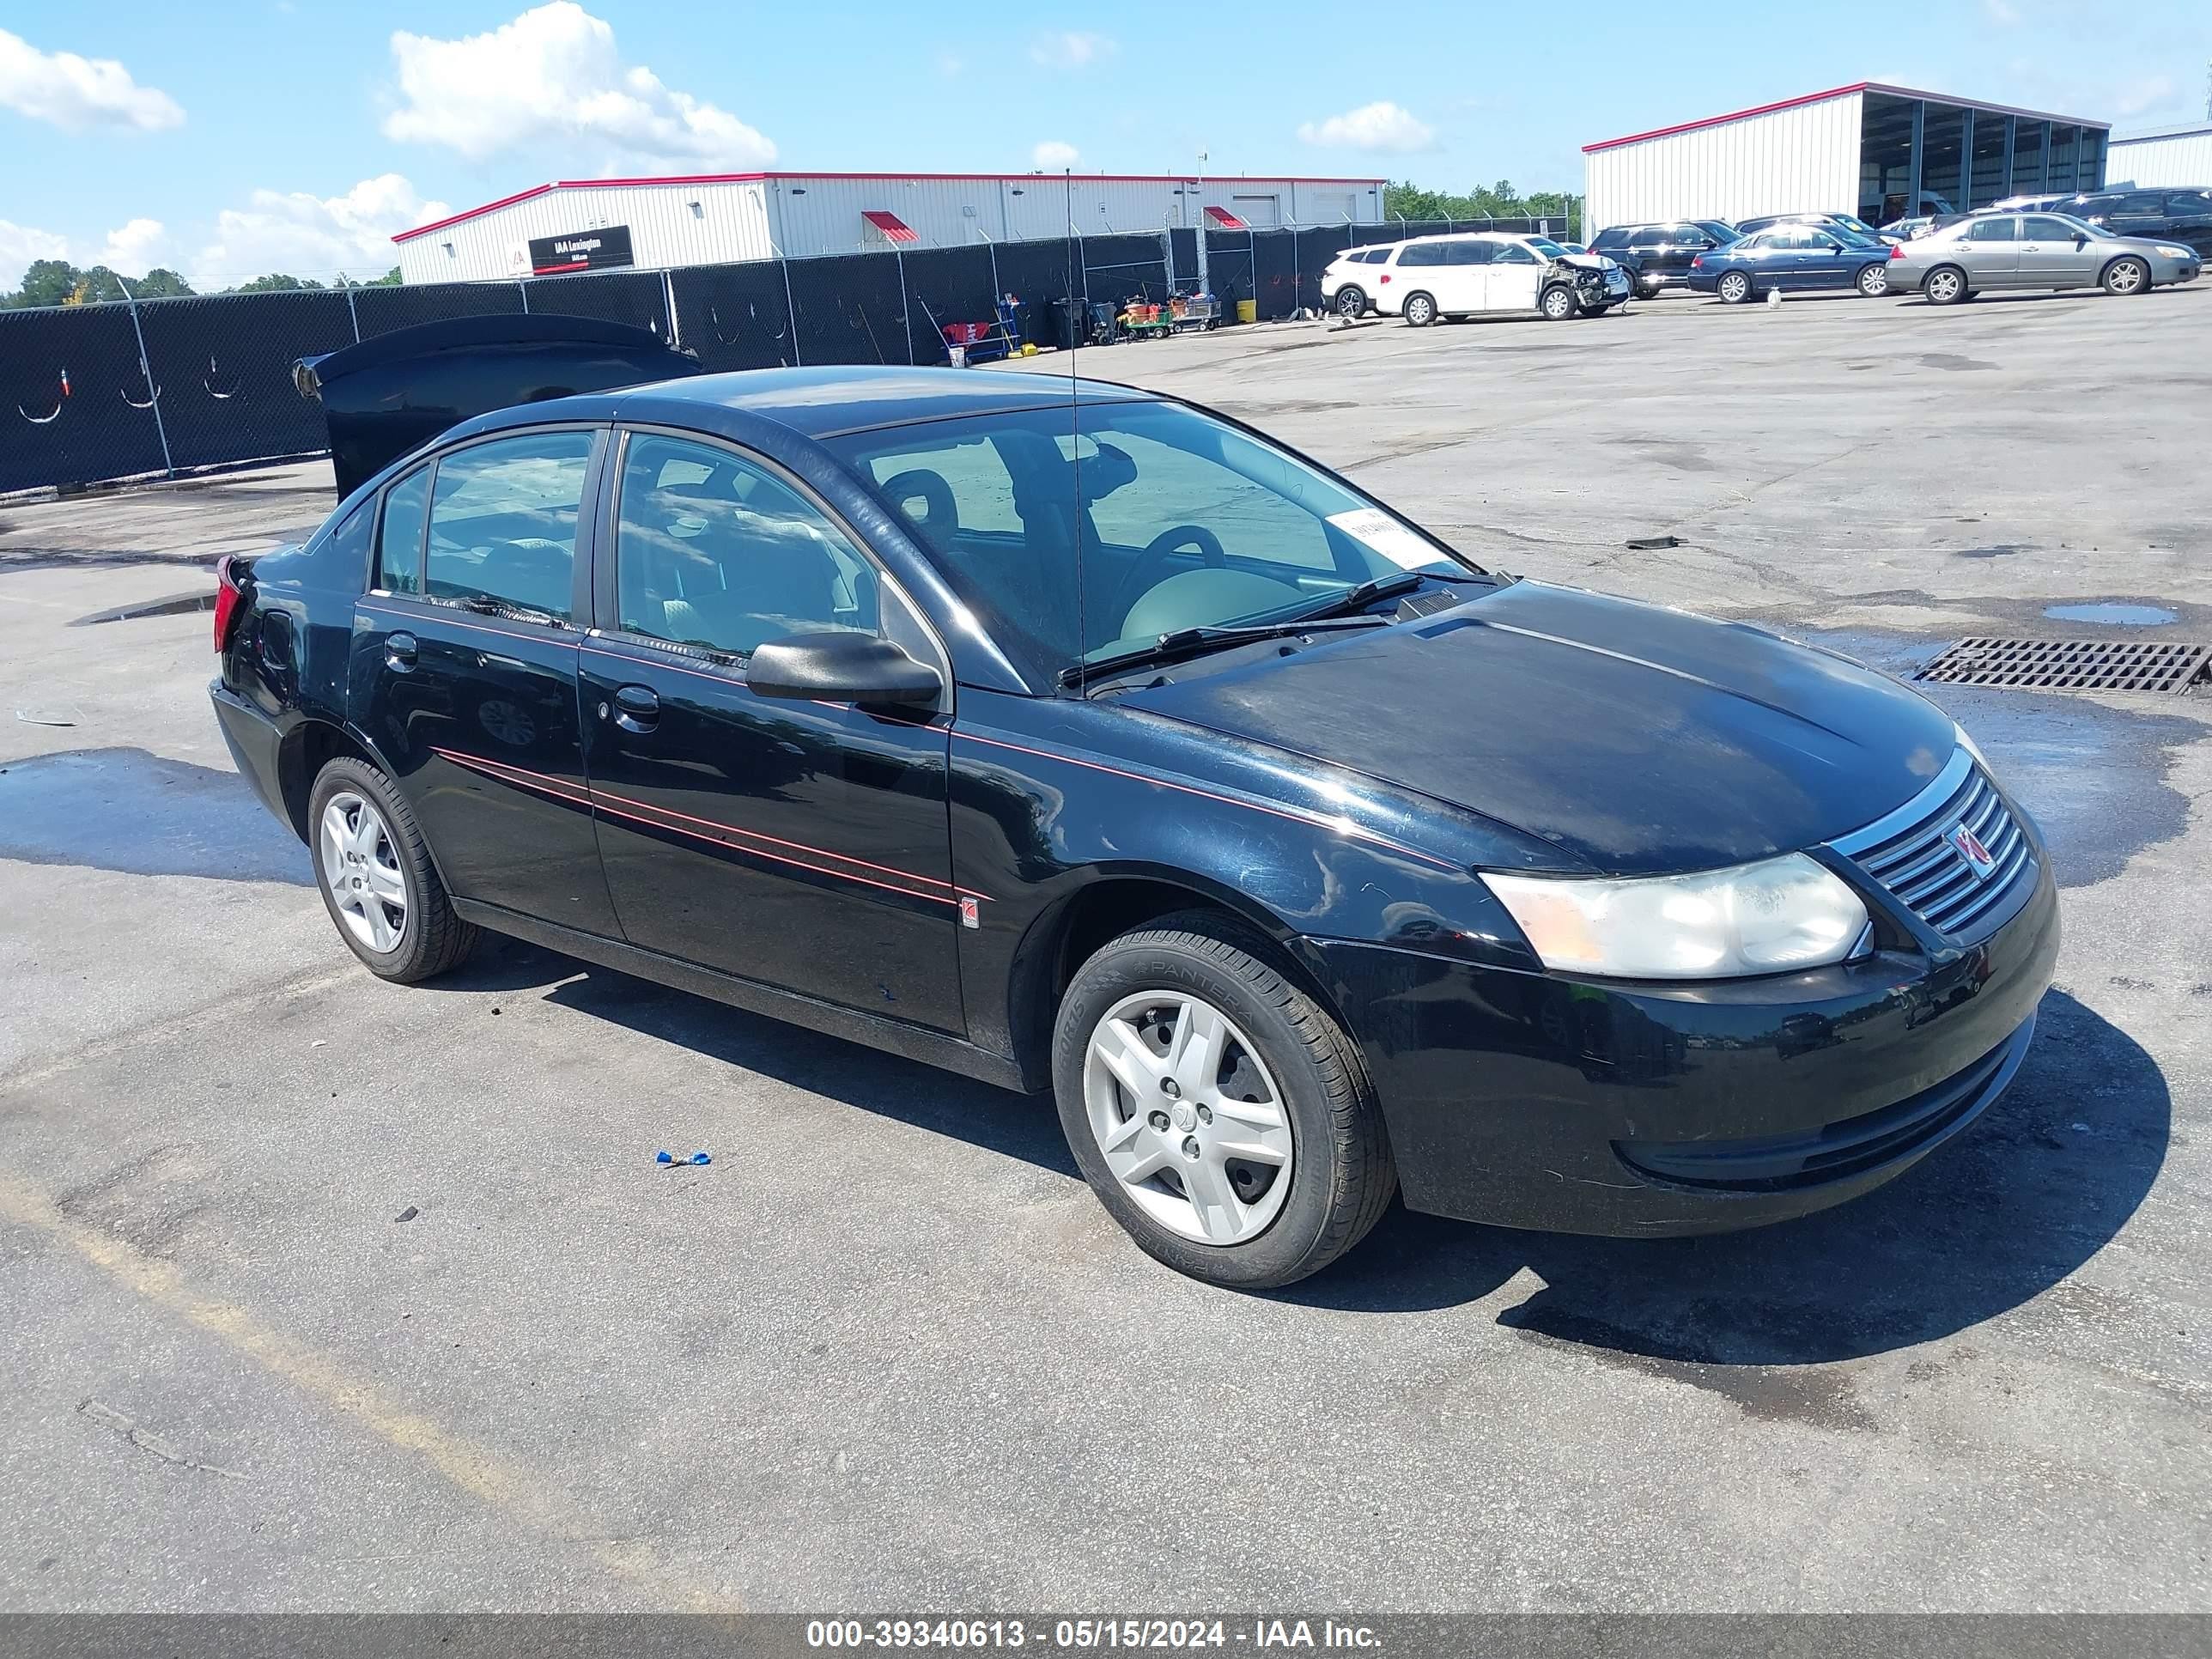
column 2175, row 252
column 1773, row 917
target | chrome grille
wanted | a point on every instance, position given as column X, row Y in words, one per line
column 1912, row 856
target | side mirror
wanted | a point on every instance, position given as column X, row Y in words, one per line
column 842, row 667
column 2080, row 240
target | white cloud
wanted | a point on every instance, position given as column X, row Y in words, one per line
column 2003, row 13
column 136, row 248
column 1071, row 49
column 2149, row 93
column 305, row 235
column 1052, row 156
column 552, row 75
column 75, row 92
column 19, row 245
column 1371, row 127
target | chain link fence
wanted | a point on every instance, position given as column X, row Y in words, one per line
column 97, row 392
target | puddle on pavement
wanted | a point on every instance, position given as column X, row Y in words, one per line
column 2092, row 776
column 144, row 815
column 2107, row 611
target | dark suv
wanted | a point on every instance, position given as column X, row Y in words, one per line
column 1658, row 256
column 2177, row 216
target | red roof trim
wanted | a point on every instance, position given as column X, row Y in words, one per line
column 1837, row 92
column 1226, row 219
column 1224, row 181
column 489, row 207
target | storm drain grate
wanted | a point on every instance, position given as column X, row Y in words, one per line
column 2071, row 665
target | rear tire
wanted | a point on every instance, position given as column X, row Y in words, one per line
column 1734, row 287
column 1419, row 311
column 2127, row 276
column 1351, row 302
column 1558, row 303
column 1946, row 285
column 374, row 869
column 1873, row 281
column 1283, row 1079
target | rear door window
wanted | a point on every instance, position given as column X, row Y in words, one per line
column 1472, row 252
column 503, row 522
column 399, row 535
column 1423, row 253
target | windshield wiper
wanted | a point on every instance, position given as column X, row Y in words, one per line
column 1184, row 643
column 1363, row 594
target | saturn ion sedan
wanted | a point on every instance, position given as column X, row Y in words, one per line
column 1083, row 741
column 1995, row 251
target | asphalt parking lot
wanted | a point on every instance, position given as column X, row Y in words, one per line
column 327, row 1294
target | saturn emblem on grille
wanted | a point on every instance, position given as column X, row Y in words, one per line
column 1971, row 849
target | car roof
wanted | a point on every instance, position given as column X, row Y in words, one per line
column 822, row 402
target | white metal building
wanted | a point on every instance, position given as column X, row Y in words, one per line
column 2164, row 155
column 580, row 224
column 1866, row 148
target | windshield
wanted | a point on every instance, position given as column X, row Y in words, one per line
column 1857, row 226
column 1184, row 522
column 1548, row 248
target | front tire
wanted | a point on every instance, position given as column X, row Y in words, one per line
column 1420, row 311
column 1946, row 285
column 1273, row 1161
column 2125, row 277
column 1351, row 303
column 374, row 871
column 1734, row 287
column 1558, row 303
column 1873, row 281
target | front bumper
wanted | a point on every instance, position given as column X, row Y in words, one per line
column 1530, row 1100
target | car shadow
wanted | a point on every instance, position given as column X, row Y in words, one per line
column 1023, row 1126
column 2015, row 1205
column 1993, row 1218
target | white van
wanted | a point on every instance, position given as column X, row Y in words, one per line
column 1472, row 274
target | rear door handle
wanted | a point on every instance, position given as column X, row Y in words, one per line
column 399, row 652
column 637, row 707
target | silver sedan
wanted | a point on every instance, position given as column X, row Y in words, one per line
column 1994, row 250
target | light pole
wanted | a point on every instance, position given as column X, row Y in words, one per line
column 1198, row 189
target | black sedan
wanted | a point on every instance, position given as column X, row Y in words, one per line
column 1075, row 738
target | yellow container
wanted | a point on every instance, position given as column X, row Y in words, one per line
column 1248, row 310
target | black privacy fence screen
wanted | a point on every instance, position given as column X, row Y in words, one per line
column 94, row 392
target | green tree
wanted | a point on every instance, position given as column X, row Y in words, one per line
column 277, row 283
column 161, row 283
column 48, row 283
column 390, row 279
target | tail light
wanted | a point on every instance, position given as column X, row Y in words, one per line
column 229, row 597
column 1897, row 250
column 1699, row 263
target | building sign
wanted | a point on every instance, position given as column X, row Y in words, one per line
column 583, row 250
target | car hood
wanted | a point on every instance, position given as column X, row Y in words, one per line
column 1585, row 261
column 1635, row 740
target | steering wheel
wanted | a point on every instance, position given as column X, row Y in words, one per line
column 1145, row 573
column 941, row 514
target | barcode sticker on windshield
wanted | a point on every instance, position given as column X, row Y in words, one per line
column 1372, row 528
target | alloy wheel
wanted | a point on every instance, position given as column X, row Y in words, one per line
column 1350, row 302
column 1874, row 282
column 1943, row 287
column 2126, row 277
column 1735, row 287
column 361, row 867
column 1188, row 1117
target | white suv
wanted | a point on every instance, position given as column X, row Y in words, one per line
column 1482, row 273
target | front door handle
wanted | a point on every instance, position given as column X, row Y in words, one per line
column 399, row 652
column 637, row 707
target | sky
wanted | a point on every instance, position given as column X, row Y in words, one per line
column 297, row 136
